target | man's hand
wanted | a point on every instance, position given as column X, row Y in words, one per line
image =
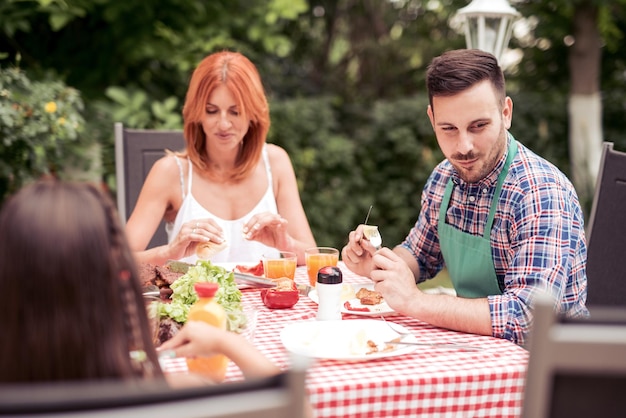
column 394, row 279
column 357, row 253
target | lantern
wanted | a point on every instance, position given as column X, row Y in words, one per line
column 488, row 25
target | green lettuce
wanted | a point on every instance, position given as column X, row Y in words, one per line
column 184, row 295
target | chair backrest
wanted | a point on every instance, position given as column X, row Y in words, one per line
column 606, row 232
column 281, row 396
column 135, row 152
column 576, row 368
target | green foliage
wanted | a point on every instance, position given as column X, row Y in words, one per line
column 345, row 78
column 324, row 160
column 398, row 153
column 134, row 108
column 376, row 155
column 152, row 45
column 540, row 122
column 15, row 16
column 347, row 158
column 40, row 130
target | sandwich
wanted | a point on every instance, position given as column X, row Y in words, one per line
column 205, row 250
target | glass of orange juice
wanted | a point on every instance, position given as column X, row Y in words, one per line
column 319, row 257
column 280, row 265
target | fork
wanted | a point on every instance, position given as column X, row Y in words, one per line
column 402, row 335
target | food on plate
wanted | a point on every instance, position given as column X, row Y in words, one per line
column 160, row 276
column 173, row 312
column 167, row 329
column 349, row 307
column 206, row 249
column 283, row 296
column 366, row 297
column 284, row 284
column 369, row 297
column 256, row 270
column 347, row 292
column 373, row 347
column 357, row 344
column 361, row 343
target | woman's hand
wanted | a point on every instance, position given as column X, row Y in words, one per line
column 269, row 229
column 193, row 233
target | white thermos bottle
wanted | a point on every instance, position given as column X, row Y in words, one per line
column 329, row 283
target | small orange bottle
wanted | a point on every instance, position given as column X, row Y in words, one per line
column 206, row 309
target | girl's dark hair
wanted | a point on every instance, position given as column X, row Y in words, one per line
column 72, row 304
column 455, row 71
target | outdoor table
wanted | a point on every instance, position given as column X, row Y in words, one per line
column 428, row 382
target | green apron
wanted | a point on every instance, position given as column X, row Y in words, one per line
column 468, row 257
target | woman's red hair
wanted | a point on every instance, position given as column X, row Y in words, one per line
column 236, row 72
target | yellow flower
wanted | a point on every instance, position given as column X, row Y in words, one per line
column 50, row 107
column 61, row 121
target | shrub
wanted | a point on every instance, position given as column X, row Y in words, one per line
column 348, row 157
column 40, row 127
column 325, row 164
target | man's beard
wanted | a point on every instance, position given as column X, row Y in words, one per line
column 483, row 167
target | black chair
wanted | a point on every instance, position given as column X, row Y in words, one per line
column 281, row 396
column 606, row 232
column 135, row 152
column 577, row 368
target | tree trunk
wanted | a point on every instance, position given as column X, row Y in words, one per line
column 585, row 106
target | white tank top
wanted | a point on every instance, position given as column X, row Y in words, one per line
column 239, row 249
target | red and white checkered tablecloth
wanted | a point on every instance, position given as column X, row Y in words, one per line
column 429, row 382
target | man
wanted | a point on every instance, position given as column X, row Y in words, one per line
column 505, row 222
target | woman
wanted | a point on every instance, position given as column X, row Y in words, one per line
column 228, row 188
column 72, row 305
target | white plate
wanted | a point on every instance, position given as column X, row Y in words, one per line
column 374, row 310
column 343, row 340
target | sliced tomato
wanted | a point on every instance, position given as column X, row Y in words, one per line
column 256, row 270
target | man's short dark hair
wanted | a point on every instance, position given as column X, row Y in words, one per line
column 455, row 71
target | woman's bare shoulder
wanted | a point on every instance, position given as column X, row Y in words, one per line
column 169, row 166
column 165, row 173
column 277, row 154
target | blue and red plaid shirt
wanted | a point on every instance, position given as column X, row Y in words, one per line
column 537, row 239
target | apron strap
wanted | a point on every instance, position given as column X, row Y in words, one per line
column 445, row 202
column 496, row 194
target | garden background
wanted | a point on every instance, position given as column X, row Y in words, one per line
column 345, row 80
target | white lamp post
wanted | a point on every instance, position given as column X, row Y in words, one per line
column 488, row 25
